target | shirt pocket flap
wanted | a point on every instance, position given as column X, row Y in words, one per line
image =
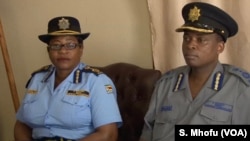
column 29, row 98
column 216, row 113
column 75, row 100
column 167, row 114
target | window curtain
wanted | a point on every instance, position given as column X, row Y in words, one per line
column 165, row 17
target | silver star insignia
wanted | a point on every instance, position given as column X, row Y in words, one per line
column 63, row 24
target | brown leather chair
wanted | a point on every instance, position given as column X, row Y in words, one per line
column 134, row 89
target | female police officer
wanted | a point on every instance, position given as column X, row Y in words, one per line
column 67, row 100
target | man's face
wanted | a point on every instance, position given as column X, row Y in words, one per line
column 201, row 49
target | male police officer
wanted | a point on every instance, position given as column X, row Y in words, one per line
column 204, row 91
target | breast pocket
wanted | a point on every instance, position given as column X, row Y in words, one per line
column 78, row 109
column 213, row 115
column 31, row 107
column 165, row 122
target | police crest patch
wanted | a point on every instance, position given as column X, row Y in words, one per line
column 109, row 89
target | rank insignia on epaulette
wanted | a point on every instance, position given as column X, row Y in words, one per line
column 91, row 69
column 244, row 75
column 33, row 92
column 217, row 81
column 178, row 82
column 109, row 89
column 78, row 93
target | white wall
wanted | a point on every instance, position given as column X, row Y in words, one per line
column 120, row 32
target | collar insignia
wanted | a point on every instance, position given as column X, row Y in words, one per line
column 217, row 81
column 63, row 24
column 77, row 76
column 194, row 14
column 178, row 82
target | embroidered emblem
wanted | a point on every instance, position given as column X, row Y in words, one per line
column 217, row 81
column 178, row 82
column 63, row 24
column 78, row 93
column 194, row 14
column 33, row 92
column 109, row 89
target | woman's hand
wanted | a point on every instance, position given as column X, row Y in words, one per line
column 107, row 132
column 22, row 132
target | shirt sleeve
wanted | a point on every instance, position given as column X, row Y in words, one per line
column 241, row 112
column 149, row 119
column 104, row 106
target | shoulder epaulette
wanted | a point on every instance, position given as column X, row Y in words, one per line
column 92, row 70
column 167, row 75
column 239, row 72
column 173, row 72
column 78, row 73
column 178, row 74
column 42, row 69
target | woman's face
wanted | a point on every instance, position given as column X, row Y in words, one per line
column 65, row 52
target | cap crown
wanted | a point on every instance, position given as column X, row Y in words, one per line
column 64, row 25
column 207, row 18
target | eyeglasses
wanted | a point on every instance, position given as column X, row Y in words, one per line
column 68, row 46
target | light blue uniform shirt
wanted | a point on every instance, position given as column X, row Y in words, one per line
column 224, row 99
column 81, row 103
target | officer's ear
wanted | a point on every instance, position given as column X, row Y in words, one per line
column 220, row 44
column 220, row 47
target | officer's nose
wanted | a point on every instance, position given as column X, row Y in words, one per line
column 191, row 43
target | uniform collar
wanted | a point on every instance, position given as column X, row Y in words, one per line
column 214, row 82
column 74, row 76
column 77, row 74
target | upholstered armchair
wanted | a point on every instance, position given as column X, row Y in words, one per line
column 134, row 89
